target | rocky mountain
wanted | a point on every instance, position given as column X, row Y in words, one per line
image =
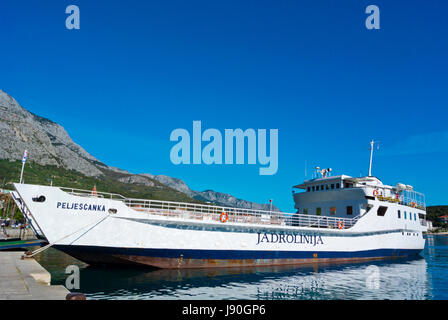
column 225, row 199
column 48, row 143
column 174, row 183
column 219, row 198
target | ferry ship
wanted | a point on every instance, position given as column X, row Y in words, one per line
column 338, row 218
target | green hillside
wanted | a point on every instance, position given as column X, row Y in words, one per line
column 434, row 212
column 38, row 174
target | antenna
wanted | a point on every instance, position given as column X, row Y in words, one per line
column 305, row 169
column 371, row 157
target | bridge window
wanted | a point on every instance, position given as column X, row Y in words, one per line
column 381, row 211
column 399, row 214
column 349, row 210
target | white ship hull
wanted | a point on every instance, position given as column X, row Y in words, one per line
column 99, row 230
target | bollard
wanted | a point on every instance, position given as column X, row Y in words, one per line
column 75, row 296
column 28, row 255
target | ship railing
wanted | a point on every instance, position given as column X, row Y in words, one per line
column 408, row 198
column 193, row 211
column 91, row 193
column 197, row 211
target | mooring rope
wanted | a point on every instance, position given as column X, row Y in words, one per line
column 54, row 242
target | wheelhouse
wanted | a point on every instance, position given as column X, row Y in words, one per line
column 345, row 197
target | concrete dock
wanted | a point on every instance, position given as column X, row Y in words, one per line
column 26, row 280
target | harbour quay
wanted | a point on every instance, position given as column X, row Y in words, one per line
column 26, row 279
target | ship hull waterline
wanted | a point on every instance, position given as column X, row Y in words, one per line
column 178, row 259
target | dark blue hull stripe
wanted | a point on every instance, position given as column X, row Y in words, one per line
column 236, row 254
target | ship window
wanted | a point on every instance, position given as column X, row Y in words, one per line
column 337, row 185
column 405, row 214
column 415, row 216
column 332, row 186
column 308, row 189
column 313, row 188
column 318, row 211
column 381, row 211
column 321, row 187
column 326, row 187
column 399, row 214
column 333, row 211
column 349, row 210
column 305, row 211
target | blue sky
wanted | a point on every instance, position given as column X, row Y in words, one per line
column 136, row 70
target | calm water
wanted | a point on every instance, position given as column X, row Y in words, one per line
column 423, row 277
